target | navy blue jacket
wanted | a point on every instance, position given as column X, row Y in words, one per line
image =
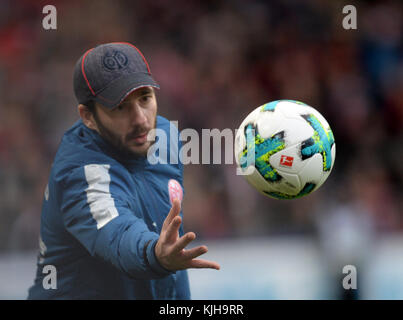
column 101, row 219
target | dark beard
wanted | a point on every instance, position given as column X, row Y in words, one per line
column 117, row 143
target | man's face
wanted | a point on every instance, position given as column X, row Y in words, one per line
column 127, row 125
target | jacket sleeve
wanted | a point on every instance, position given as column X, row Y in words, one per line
column 96, row 211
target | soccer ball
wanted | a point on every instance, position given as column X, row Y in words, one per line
column 285, row 149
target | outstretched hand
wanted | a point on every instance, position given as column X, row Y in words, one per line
column 170, row 249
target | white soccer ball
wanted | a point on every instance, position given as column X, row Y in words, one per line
column 285, row 149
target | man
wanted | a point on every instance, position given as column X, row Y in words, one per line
column 111, row 221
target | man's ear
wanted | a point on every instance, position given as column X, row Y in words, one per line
column 87, row 117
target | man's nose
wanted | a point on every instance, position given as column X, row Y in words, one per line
column 138, row 116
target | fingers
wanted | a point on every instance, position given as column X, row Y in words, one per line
column 184, row 241
column 172, row 248
column 194, row 252
column 175, row 210
column 172, row 231
column 203, row 264
column 189, row 254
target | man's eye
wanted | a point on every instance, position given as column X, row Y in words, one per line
column 145, row 98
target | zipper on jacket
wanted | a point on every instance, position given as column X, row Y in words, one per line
column 153, row 200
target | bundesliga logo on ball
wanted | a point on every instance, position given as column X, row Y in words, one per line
column 285, row 149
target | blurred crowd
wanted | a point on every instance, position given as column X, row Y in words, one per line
column 215, row 62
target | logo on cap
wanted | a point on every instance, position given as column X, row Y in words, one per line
column 115, row 60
